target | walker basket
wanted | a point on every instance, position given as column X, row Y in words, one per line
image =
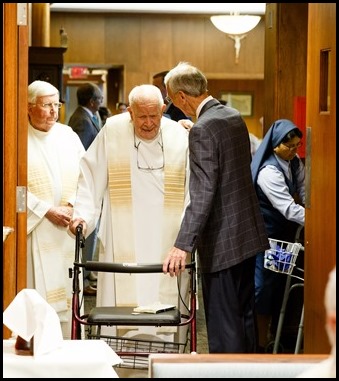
column 134, row 353
column 282, row 255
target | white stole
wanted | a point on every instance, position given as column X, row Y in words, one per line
column 120, row 190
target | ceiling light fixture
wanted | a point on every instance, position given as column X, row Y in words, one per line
column 235, row 26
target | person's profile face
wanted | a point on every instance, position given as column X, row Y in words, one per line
column 122, row 108
column 96, row 102
column 288, row 150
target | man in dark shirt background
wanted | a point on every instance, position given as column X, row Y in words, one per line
column 85, row 122
column 171, row 111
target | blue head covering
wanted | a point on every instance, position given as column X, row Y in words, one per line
column 274, row 136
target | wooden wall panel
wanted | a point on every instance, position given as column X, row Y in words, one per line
column 293, row 55
column 146, row 44
column 189, row 41
column 121, row 40
column 160, row 50
column 219, row 54
column 271, row 65
column 41, row 17
column 86, row 38
column 285, row 59
column 255, row 87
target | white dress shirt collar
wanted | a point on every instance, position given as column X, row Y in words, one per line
column 202, row 104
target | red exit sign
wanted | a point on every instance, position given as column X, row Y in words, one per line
column 79, row 72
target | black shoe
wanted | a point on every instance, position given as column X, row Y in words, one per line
column 261, row 349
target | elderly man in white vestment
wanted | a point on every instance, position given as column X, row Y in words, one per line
column 138, row 165
column 54, row 152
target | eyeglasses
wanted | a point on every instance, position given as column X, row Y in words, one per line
column 149, row 167
column 48, row 105
column 295, row 146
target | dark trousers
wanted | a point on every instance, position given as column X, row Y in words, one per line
column 88, row 252
column 229, row 302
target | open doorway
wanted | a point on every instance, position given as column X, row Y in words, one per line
column 110, row 80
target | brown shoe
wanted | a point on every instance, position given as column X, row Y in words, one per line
column 90, row 291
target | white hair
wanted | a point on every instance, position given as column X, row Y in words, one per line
column 145, row 93
column 187, row 78
column 39, row 89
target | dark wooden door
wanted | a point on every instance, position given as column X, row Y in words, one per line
column 320, row 228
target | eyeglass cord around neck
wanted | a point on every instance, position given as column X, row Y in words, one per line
column 150, row 155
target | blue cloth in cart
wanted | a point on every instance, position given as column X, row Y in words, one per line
column 278, row 260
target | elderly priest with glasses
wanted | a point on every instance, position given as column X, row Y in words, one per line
column 54, row 152
column 138, row 166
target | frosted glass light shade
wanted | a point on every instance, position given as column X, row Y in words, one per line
column 235, row 24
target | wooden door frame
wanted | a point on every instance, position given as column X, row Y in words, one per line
column 320, row 220
column 15, row 79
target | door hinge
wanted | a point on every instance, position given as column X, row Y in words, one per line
column 21, row 198
column 21, row 14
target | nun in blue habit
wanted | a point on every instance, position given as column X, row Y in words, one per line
column 279, row 178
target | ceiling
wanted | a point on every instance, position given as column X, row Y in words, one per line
column 206, row 8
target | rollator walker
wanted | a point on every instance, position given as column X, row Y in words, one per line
column 131, row 351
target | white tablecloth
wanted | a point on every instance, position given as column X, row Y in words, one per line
column 75, row 359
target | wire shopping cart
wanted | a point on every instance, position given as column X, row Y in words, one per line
column 281, row 258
